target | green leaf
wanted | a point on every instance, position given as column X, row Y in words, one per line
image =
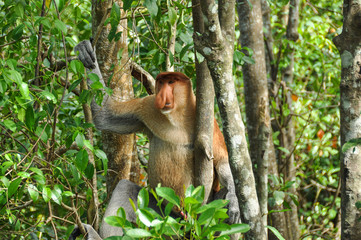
column 358, row 204
column 5, row 166
column 138, row 233
column 29, row 117
column 152, row 7
column 77, row 67
column 279, row 197
column 199, row 57
column 79, row 140
column 89, row 171
column 96, row 85
column 143, row 198
column 236, row 228
column 10, row 125
column 56, row 194
column 23, row 174
column 206, row 216
column 13, row 187
column 33, row 192
column 350, row 144
column 88, row 145
column 168, row 209
column 60, row 26
column 37, row 171
column 48, row 95
column 5, row 181
column 19, row 10
column 145, row 217
column 115, row 13
column 275, row 232
column 117, row 238
column 168, row 194
column 184, row 51
column 13, row 76
column 127, row 4
column 41, row 133
column 17, row 33
column 216, row 204
column 74, row 84
column 24, row 90
column 220, row 227
column 46, row 194
column 100, row 154
column 221, row 214
column 93, row 77
column 81, row 160
column 172, row 15
column 121, row 213
column 115, row 221
column 285, row 150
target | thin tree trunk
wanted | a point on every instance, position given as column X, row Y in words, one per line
column 217, row 46
column 277, row 218
column 256, row 96
column 171, row 47
column 203, row 144
column 288, row 131
column 349, row 46
column 119, row 148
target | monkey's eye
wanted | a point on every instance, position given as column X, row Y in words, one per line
column 171, row 82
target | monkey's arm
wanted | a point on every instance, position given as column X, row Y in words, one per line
column 104, row 116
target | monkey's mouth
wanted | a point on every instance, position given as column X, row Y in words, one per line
column 166, row 110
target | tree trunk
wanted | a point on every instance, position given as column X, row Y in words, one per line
column 349, row 46
column 277, row 218
column 216, row 44
column 119, row 148
column 287, row 133
column 203, row 144
column 256, row 97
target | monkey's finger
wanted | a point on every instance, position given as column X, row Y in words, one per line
column 86, row 60
column 90, row 51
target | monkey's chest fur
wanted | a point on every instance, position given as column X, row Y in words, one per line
column 170, row 164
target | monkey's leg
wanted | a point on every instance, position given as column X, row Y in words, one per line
column 120, row 198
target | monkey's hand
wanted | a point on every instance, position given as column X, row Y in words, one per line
column 233, row 208
column 86, row 54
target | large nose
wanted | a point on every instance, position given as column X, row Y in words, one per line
column 164, row 98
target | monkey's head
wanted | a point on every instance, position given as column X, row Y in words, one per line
column 172, row 90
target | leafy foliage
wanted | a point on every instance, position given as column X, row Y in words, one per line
column 196, row 221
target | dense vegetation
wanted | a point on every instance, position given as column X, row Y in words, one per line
column 44, row 169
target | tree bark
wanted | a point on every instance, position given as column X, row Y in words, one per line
column 256, row 96
column 203, row 144
column 277, row 218
column 349, row 46
column 216, row 44
column 287, row 134
column 119, row 148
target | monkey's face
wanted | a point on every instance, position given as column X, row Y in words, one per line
column 171, row 88
column 164, row 99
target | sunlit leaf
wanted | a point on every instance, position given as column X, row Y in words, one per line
column 276, row 232
column 60, row 26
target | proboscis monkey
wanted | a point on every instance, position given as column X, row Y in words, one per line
column 168, row 119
